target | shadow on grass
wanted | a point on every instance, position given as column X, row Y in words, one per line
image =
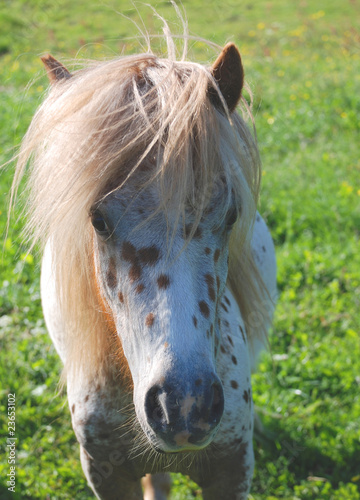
column 5, row 494
column 288, row 457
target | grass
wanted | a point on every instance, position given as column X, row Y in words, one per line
column 302, row 61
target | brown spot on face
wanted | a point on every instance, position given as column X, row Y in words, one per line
column 140, row 288
column 218, row 283
column 87, row 398
column 198, row 382
column 234, row 384
column 121, row 297
column 237, row 441
column 166, row 345
column 73, row 408
column 246, row 396
column 195, row 321
column 242, row 333
column 163, row 281
column 212, row 329
column 230, row 340
column 226, row 323
column 210, row 283
column 149, row 321
column 149, row 255
column 227, row 300
column 204, row 308
column 189, row 228
column 222, row 349
column 234, row 360
column 135, row 273
column 128, row 252
column 207, row 251
column 263, row 249
column 224, row 307
column 111, row 273
column 216, row 255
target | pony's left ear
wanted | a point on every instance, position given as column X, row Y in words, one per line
column 229, row 74
column 55, row 70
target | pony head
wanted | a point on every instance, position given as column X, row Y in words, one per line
column 145, row 181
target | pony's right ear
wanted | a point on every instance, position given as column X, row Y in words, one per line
column 55, row 70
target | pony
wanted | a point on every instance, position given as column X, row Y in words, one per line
column 157, row 270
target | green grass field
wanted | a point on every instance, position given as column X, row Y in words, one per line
column 302, row 61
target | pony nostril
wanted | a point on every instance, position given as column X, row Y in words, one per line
column 217, row 406
column 155, row 408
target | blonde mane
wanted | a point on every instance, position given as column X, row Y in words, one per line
column 92, row 134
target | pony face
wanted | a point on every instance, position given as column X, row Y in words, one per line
column 163, row 291
column 152, row 149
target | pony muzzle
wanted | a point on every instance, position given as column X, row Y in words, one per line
column 184, row 419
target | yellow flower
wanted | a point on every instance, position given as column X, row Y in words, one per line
column 252, row 33
column 298, row 31
column 343, row 115
column 15, row 66
column 270, row 120
column 308, row 84
column 318, row 15
column 260, row 26
column 28, row 258
column 293, row 97
column 346, row 189
column 281, row 72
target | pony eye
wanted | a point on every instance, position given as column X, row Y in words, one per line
column 98, row 221
column 231, row 217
